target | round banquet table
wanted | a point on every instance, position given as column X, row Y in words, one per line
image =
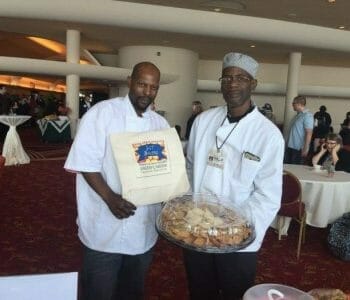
column 13, row 150
column 326, row 198
column 55, row 131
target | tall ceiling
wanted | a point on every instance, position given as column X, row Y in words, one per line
column 107, row 39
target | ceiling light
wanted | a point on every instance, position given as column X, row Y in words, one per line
column 28, row 82
column 217, row 9
column 252, row 46
column 331, row 1
column 52, row 45
column 341, row 27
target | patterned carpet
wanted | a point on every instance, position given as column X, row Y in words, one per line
column 38, row 235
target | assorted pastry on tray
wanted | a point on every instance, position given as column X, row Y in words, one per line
column 204, row 224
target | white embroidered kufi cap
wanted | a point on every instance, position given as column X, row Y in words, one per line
column 242, row 61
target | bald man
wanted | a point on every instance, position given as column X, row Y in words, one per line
column 117, row 238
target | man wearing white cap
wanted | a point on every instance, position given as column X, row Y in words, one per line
column 235, row 153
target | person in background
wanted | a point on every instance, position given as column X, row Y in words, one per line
column 332, row 154
column 62, row 109
column 267, row 111
column 5, row 101
column 84, row 105
column 196, row 110
column 235, row 153
column 345, row 132
column 23, row 106
column 178, row 130
column 50, row 109
column 300, row 133
column 347, row 117
column 322, row 122
column 117, row 238
column 14, row 99
column 37, row 106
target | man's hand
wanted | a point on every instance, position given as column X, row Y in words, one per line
column 120, row 207
column 115, row 202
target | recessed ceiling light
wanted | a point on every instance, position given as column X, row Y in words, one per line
column 341, row 27
column 217, row 9
column 252, row 46
column 331, row 1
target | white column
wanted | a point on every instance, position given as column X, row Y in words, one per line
column 73, row 80
column 174, row 98
column 292, row 88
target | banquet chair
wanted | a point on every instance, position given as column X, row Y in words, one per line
column 292, row 205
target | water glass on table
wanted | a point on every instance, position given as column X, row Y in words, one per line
column 331, row 170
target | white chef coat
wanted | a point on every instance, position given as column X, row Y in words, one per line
column 91, row 151
column 254, row 186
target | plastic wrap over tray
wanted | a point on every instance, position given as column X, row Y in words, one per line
column 205, row 223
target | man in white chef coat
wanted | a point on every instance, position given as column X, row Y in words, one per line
column 235, row 153
column 117, row 237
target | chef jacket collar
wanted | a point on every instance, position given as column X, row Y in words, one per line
column 236, row 119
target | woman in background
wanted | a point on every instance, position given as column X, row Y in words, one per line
column 331, row 154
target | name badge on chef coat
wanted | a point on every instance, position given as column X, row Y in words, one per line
column 216, row 159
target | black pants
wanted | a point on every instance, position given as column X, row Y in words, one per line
column 219, row 276
column 107, row 276
column 293, row 156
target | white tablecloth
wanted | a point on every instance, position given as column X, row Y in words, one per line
column 326, row 198
column 13, row 150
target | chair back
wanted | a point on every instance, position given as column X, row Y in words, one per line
column 291, row 204
column 291, row 188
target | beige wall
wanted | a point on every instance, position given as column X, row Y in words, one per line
column 276, row 73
